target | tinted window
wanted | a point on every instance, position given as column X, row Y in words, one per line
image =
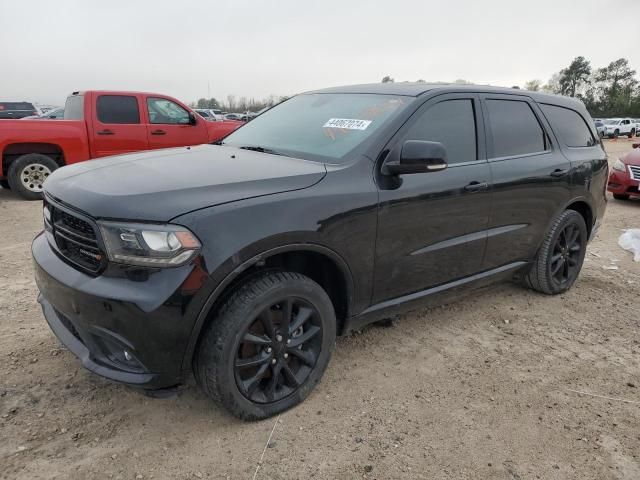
column 451, row 123
column 118, row 109
column 162, row 110
column 74, row 108
column 16, row 106
column 514, row 128
column 569, row 125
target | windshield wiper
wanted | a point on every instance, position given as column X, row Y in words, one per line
column 256, row 148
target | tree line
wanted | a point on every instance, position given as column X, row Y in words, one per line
column 608, row 91
column 238, row 105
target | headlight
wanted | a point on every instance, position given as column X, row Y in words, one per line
column 149, row 245
column 618, row 165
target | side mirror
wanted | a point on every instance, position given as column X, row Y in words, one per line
column 417, row 156
column 192, row 118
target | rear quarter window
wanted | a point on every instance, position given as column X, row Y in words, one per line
column 570, row 126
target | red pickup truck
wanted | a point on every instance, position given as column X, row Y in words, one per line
column 97, row 124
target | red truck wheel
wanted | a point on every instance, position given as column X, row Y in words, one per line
column 27, row 174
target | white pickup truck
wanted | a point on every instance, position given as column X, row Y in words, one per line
column 614, row 127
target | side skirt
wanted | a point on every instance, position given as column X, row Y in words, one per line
column 392, row 307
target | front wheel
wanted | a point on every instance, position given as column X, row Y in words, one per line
column 560, row 258
column 28, row 173
column 268, row 346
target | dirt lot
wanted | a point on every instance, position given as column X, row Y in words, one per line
column 486, row 388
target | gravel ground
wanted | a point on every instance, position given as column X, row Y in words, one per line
column 504, row 384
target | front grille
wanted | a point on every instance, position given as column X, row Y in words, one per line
column 75, row 238
column 634, row 171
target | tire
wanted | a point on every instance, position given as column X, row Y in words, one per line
column 616, row 134
column 621, row 196
column 541, row 277
column 4, row 183
column 27, row 174
column 631, row 133
column 222, row 360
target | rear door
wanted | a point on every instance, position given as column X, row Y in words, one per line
column 169, row 124
column 432, row 226
column 117, row 127
column 531, row 178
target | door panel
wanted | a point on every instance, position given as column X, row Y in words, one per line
column 528, row 187
column 432, row 226
column 116, row 127
column 169, row 125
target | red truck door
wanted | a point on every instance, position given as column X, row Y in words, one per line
column 117, row 126
column 169, row 124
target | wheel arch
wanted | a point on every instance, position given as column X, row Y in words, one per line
column 584, row 209
column 320, row 263
column 15, row 150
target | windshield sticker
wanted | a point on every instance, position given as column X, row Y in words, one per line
column 347, row 123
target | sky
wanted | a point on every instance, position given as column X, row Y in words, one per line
column 199, row 48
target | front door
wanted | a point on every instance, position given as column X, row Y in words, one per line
column 431, row 226
column 169, row 125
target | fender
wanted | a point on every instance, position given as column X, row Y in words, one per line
column 215, row 295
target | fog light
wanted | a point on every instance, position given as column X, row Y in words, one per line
column 128, row 356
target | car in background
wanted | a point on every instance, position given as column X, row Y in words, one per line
column 16, row 110
column 233, row 116
column 614, row 127
column 624, row 178
column 600, row 127
column 206, row 114
column 53, row 114
column 99, row 124
column 637, row 122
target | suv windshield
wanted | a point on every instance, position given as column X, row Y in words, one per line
column 320, row 126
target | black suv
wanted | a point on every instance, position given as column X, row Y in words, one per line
column 241, row 261
column 16, row 110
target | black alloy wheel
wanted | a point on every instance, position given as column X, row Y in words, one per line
column 267, row 345
column 278, row 350
column 559, row 259
column 565, row 261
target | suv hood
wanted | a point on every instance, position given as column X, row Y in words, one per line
column 160, row 185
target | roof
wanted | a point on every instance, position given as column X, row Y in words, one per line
column 415, row 89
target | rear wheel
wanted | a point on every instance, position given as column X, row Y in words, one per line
column 631, row 133
column 621, row 196
column 268, row 346
column 560, row 258
column 28, row 173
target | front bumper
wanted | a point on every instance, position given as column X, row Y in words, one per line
column 127, row 330
column 621, row 183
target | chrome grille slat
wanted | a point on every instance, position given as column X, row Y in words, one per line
column 634, row 171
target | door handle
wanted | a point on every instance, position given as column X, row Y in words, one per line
column 476, row 186
column 558, row 172
column 105, row 132
column 158, row 132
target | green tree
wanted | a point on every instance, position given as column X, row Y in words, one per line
column 574, row 76
column 387, row 79
column 533, row 85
